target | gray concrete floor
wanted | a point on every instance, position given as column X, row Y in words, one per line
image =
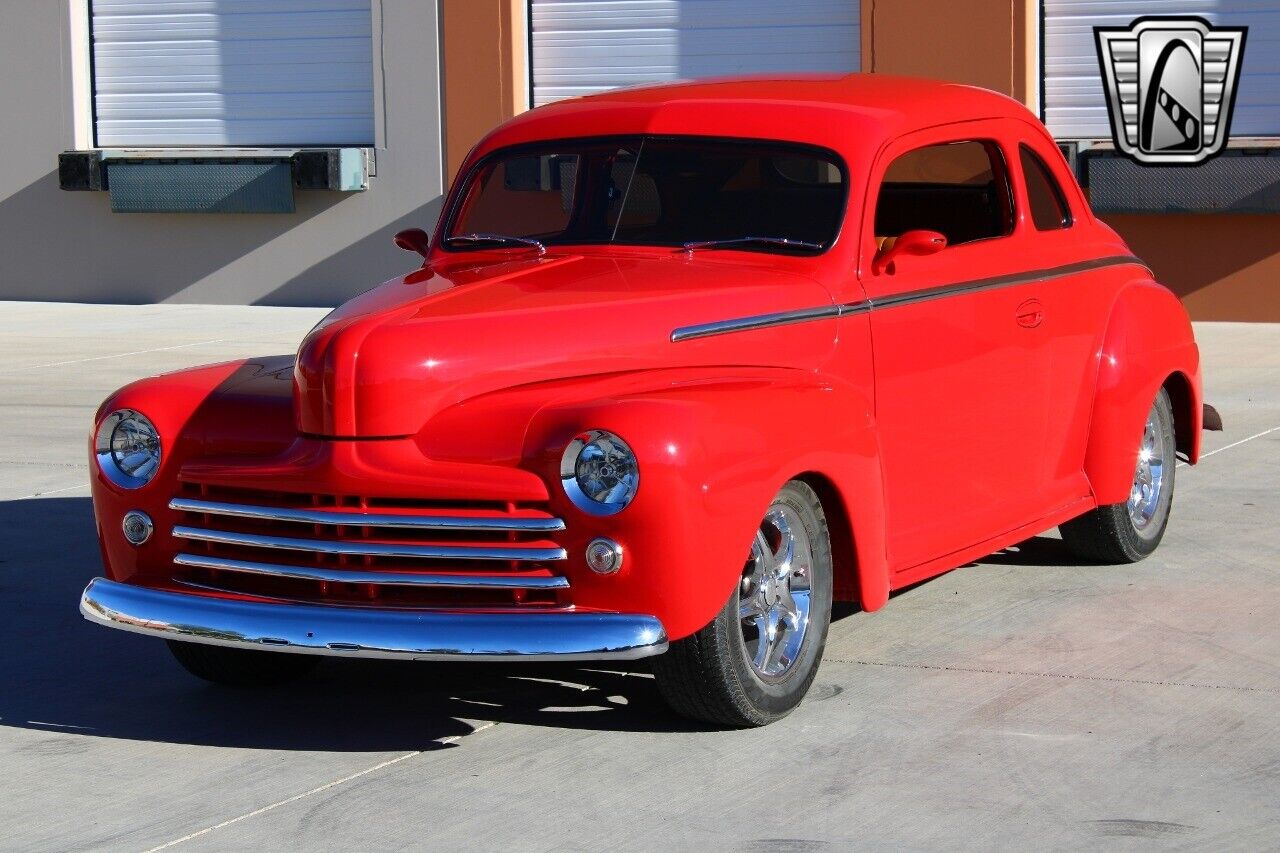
column 1024, row 702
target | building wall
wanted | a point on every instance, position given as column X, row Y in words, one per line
column 57, row 245
column 979, row 42
column 486, row 70
column 1224, row 266
column 60, row 245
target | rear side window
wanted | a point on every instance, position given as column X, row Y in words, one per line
column 959, row 189
column 1049, row 209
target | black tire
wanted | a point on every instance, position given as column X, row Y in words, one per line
column 241, row 667
column 710, row 676
column 1109, row 533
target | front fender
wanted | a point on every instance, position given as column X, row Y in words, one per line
column 714, row 449
column 239, row 405
column 1148, row 340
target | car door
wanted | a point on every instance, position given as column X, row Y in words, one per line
column 961, row 399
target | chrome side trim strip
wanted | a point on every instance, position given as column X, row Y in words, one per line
column 762, row 321
column 373, row 632
column 373, row 549
column 382, row 578
column 999, row 281
column 363, row 519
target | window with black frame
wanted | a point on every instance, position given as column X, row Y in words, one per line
column 693, row 193
column 959, row 189
column 1048, row 205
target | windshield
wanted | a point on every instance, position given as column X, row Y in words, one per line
column 763, row 196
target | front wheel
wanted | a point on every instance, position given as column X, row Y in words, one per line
column 1127, row 532
column 754, row 663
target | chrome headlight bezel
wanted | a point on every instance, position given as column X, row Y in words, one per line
column 144, row 439
column 593, row 494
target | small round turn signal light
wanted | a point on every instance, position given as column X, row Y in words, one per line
column 604, row 556
column 137, row 526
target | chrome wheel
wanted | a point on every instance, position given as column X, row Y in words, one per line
column 774, row 595
column 756, row 658
column 1148, row 477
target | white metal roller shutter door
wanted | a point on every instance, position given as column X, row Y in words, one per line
column 585, row 46
column 200, row 73
column 1074, row 104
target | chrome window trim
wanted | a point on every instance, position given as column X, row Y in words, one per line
column 382, row 578
column 362, row 519
column 372, row 549
column 802, row 315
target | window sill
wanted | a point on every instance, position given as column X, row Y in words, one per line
column 213, row 180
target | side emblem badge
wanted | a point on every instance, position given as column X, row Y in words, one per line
column 1171, row 86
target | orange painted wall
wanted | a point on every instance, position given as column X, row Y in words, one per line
column 484, row 54
column 1224, row 266
column 982, row 42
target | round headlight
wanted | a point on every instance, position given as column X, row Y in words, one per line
column 128, row 448
column 599, row 472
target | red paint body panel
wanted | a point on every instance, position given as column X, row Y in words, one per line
column 1009, row 398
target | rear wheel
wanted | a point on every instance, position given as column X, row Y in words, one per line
column 754, row 663
column 1127, row 532
column 241, row 667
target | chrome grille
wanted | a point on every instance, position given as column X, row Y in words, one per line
column 367, row 519
column 360, row 550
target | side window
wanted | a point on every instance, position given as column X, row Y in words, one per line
column 1049, row 210
column 959, row 189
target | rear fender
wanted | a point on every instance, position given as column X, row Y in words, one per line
column 1148, row 344
column 713, row 453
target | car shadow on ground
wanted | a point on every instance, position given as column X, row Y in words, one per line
column 1036, row 551
column 1041, row 551
column 63, row 674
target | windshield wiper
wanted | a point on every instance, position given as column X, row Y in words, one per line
column 473, row 239
column 784, row 242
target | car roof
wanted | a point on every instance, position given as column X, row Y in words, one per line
column 824, row 109
column 851, row 91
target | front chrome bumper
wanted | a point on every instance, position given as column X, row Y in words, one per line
column 370, row 632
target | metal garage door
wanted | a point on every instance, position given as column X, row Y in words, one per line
column 232, row 72
column 1074, row 104
column 585, row 46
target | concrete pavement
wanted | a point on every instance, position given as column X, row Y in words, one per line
column 1021, row 702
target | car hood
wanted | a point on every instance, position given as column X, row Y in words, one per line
column 382, row 364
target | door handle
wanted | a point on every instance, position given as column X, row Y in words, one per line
column 1030, row 314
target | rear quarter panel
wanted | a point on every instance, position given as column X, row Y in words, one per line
column 1148, row 340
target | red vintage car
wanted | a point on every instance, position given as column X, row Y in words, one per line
column 680, row 366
